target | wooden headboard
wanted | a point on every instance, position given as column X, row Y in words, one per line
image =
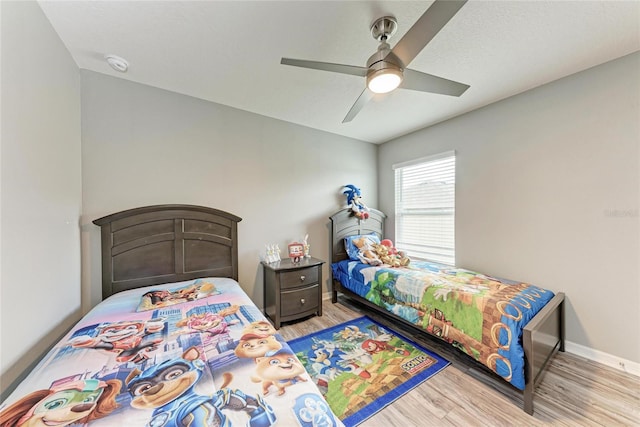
column 344, row 224
column 166, row 243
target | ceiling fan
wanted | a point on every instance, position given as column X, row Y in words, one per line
column 386, row 69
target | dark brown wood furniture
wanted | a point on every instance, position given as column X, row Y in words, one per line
column 166, row 243
column 542, row 337
column 292, row 290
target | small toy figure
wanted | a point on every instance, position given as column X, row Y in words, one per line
column 168, row 389
column 307, row 248
column 354, row 200
column 76, row 402
column 296, row 251
column 272, row 253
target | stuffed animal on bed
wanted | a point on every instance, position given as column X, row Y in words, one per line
column 366, row 252
column 354, row 200
column 390, row 256
column 376, row 254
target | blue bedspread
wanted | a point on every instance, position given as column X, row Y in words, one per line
column 481, row 315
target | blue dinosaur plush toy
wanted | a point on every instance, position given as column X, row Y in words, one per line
column 354, row 200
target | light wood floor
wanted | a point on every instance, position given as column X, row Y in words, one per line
column 574, row 392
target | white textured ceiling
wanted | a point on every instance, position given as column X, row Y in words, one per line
column 229, row 52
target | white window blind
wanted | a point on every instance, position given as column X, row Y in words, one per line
column 425, row 208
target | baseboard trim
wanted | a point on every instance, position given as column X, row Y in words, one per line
column 606, row 359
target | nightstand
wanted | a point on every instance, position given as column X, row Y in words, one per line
column 292, row 290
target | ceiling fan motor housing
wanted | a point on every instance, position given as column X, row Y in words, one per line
column 384, row 55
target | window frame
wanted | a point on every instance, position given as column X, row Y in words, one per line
column 426, row 248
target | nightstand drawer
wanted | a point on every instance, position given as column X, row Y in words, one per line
column 301, row 300
column 301, row 277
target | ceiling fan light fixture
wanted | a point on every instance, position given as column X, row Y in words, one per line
column 384, row 80
column 386, row 67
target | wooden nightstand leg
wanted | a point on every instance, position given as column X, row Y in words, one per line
column 276, row 320
column 320, row 290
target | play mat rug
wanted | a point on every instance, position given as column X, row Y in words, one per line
column 361, row 367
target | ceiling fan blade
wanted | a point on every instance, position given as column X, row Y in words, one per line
column 425, row 29
column 364, row 97
column 423, row 82
column 326, row 66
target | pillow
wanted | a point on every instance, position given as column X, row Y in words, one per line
column 159, row 298
column 353, row 250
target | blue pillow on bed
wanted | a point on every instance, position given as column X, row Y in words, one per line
column 353, row 250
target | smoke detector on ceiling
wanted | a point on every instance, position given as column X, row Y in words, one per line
column 117, row 63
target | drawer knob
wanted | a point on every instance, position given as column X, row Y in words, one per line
column 302, row 301
column 302, row 278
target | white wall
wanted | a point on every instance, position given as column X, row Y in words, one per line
column 41, row 189
column 143, row 146
column 547, row 192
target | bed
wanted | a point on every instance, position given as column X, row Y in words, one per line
column 511, row 328
column 175, row 341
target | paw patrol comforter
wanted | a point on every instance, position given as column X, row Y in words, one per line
column 196, row 353
column 481, row 315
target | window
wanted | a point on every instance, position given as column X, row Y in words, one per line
column 425, row 207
